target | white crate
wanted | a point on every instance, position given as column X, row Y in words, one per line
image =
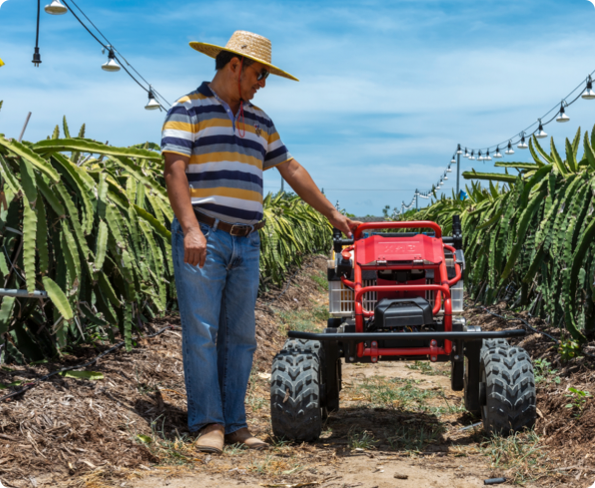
column 341, row 297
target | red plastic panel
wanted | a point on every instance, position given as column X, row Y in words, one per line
column 420, row 248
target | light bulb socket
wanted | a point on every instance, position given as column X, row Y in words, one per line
column 36, row 58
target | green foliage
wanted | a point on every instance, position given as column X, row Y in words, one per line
column 90, row 224
column 577, row 399
column 532, row 233
column 293, row 230
column 544, row 372
column 569, row 350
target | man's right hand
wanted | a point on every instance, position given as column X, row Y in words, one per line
column 195, row 247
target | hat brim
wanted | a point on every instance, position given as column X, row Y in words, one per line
column 212, row 50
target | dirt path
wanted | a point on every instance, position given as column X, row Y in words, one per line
column 400, row 424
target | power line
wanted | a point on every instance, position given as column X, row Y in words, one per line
column 108, row 46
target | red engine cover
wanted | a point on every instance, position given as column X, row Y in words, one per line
column 419, row 249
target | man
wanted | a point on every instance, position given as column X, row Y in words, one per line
column 216, row 145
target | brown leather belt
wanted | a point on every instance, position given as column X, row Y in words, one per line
column 237, row 230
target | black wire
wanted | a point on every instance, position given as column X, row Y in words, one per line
column 37, row 33
column 130, row 74
column 90, row 21
column 523, row 321
column 107, row 46
column 86, row 28
column 79, row 366
column 556, row 108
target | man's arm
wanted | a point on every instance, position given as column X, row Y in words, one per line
column 302, row 183
column 195, row 244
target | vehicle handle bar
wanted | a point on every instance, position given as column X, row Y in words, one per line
column 398, row 225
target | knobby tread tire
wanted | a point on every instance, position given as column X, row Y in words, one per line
column 296, row 412
column 510, row 395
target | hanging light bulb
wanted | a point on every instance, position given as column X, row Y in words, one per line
column 111, row 64
column 479, row 156
column 445, row 177
column 522, row 144
column 459, row 151
column 589, row 94
column 562, row 117
column 509, row 151
column 448, row 170
column 540, row 134
column 472, row 156
column 497, row 154
column 488, row 157
column 55, row 8
column 453, row 160
column 466, row 153
column 153, row 104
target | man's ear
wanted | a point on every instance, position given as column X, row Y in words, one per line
column 234, row 65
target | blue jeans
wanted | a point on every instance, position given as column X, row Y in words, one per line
column 217, row 312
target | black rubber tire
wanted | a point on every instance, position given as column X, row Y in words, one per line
column 507, row 388
column 471, row 377
column 296, row 410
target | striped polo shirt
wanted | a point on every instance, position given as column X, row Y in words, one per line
column 225, row 169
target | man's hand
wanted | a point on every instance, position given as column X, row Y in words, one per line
column 343, row 223
column 195, row 247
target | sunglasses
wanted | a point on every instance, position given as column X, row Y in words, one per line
column 263, row 75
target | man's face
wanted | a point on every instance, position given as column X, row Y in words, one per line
column 249, row 82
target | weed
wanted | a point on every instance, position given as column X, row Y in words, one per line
column 361, row 439
column 320, row 280
column 569, row 349
column 396, row 393
column 518, row 453
column 544, row 373
column 578, row 398
column 234, row 449
column 175, row 449
column 415, row 436
column 426, row 368
column 304, row 320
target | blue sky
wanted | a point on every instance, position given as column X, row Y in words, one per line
column 387, row 90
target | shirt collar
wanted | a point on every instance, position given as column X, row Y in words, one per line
column 204, row 89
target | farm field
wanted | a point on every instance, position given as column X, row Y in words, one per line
column 397, row 420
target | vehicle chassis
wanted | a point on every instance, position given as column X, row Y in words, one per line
column 306, row 377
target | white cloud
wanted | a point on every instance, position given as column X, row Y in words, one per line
column 388, row 88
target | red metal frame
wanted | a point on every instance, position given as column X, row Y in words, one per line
column 442, row 291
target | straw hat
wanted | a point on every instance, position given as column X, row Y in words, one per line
column 248, row 45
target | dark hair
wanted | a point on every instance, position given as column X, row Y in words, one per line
column 225, row 57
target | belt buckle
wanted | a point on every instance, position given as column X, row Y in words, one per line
column 241, row 230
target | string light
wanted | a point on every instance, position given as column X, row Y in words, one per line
column 479, row 156
column 466, row 153
column 55, row 8
column 522, row 144
column 459, row 151
column 540, row 134
column 453, row 160
column 113, row 64
column 497, row 154
column 562, row 117
column 448, row 170
column 488, row 157
column 589, row 94
column 152, row 104
column 510, row 150
column 472, row 157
